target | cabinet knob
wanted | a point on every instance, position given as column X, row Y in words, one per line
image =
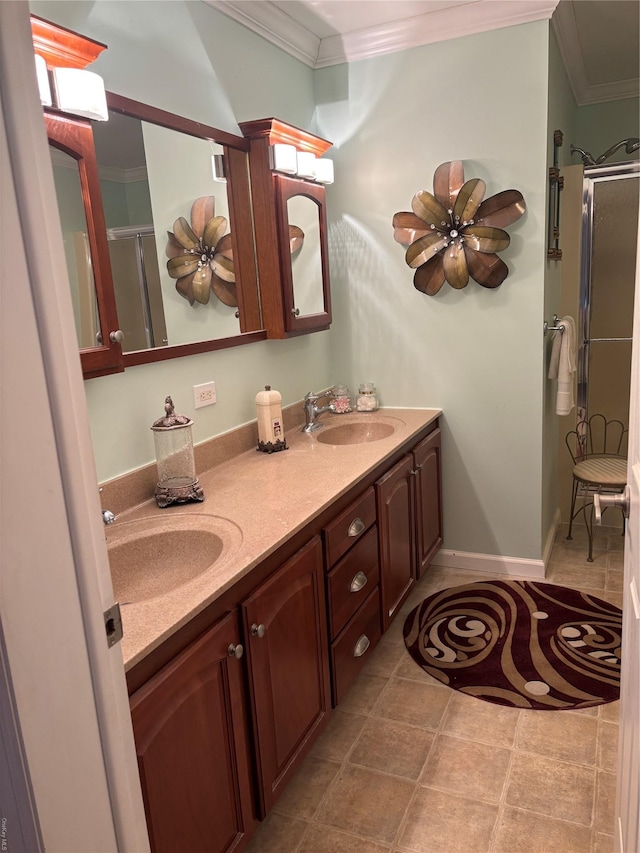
column 361, row 646
column 116, row 337
column 356, row 527
column 295, row 312
column 358, row 582
column 235, row 650
column 257, row 630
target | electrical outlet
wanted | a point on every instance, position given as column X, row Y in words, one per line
column 204, row 395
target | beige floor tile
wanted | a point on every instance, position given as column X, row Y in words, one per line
column 607, row 746
column 563, row 735
column 413, row 702
column 589, row 576
column 339, row 736
column 385, row 659
column 364, row 693
column 408, row 668
column 605, row 814
column 612, row 598
column 322, row 839
column 469, row 769
column 394, row 635
column 277, row 834
column 438, row 822
column 303, row 794
column 366, row 803
column 615, row 579
column 602, row 843
column 616, row 560
column 553, row 788
column 392, row 747
column 610, row 712
column 525, row 831
column 476, row 719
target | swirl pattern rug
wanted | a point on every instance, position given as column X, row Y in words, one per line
column 519, row 643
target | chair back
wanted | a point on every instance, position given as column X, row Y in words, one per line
column 597, row 437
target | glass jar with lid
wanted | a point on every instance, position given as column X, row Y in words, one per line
column 367, row 400
column 341, row 402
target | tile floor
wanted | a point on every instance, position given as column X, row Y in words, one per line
column 407, row 764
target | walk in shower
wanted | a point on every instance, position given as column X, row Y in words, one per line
column 605, row 325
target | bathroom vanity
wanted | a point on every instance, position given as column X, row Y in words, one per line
column 233, row 672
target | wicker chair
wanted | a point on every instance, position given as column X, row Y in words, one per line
column 598, row 448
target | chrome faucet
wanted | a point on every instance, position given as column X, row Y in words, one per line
column 107, row 516
column 311, row 410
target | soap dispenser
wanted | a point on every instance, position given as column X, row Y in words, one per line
column 177, row 481
column 270, row 425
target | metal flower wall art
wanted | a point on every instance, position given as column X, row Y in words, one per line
column 453, row 235
column 201, row 255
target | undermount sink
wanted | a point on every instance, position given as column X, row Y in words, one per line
column 358, row 432
column 156, row 555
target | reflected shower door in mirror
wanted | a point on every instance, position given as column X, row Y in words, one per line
column 305, row 268
column 77, row 186
column 153, row 166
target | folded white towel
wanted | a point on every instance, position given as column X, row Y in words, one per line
column 563, row 365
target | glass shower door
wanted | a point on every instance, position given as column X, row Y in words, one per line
column 610, row 228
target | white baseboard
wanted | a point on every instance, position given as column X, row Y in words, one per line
column 490, row 564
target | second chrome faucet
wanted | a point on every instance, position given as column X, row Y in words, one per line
column 312, row 410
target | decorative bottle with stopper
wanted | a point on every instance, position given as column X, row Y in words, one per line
column 270, row 425
column 177, row 481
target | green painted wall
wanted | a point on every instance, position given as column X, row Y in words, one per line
column 599, row 126
column 476, row 353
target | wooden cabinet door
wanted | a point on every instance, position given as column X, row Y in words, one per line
column 285, row 623
column 394, row 494
column 189, row 723
column 428, row 467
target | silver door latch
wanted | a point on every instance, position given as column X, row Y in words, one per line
column 113, row 624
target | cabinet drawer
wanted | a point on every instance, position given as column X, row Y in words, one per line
column 353, row 648
column 349, row 526
column 352, row 580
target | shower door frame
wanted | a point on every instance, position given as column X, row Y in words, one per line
column 592, row 176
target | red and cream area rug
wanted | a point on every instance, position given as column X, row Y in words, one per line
column 519, row 643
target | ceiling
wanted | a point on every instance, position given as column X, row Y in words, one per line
column 598, row 39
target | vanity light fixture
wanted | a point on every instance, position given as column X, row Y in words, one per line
column 283, row 158
column 324, row 171
column 81, row 93
column 306, row 166
column 61, row 58
column 44, row 87
column 217, row 167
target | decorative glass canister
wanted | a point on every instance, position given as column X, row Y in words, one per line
column 341, row 402
column 367, row 400
column 177, row 481
column 270, row 425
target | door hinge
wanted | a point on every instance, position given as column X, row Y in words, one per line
column 113, row 624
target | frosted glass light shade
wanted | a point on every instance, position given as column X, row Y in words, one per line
column 282, row 158
column 217, row 166
column 43, row 80
column 306, row 165
column 81, row 93
column 324, row 171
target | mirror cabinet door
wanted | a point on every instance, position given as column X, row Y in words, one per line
column 303, row 254
column 85, row 242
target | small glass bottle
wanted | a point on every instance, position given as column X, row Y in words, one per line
column 341, row 402
column 367, row 400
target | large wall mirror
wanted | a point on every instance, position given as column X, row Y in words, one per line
column 151, row 167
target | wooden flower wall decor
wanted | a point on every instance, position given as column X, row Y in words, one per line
column 201, row 256
column 453, row 235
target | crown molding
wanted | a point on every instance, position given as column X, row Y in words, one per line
column 566, row 33
column 270, row 22
column 470, row 16
column 466, row 19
